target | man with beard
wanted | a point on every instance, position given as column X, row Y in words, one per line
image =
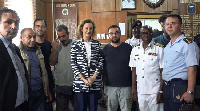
column 136, row 34
column 37, row 74
column 162, row 39
column 60, row 58
column 40, row 27
column 13, row 82
column 161, row 21
column 117, row 71
column 146, row 60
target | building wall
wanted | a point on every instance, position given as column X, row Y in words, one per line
column 107, row 12
column 103, row 12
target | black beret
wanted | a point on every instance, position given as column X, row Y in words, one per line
column 136, row 23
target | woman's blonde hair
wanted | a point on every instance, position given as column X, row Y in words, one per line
column 80, row 27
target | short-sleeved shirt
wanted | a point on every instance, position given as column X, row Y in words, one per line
column 46, row 51
column 148, row 63
column 178, row 56
column 63, row 72
column 116, row 68
column 133, row 41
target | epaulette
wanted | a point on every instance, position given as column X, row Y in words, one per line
column 135, row 45
column 159, row 44
column 187, row 40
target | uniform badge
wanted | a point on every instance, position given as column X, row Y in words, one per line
column 153, row 54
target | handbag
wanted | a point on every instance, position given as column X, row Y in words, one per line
column 189, row 107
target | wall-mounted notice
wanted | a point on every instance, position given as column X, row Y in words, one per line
column 122, row 28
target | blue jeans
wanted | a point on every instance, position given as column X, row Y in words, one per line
column 36, row 100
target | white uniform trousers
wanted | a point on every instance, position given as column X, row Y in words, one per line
column 147, row 102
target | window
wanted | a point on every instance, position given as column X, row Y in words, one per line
column 26, row 9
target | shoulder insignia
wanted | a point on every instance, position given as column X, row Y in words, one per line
column 135, row 45
column 188, row 40
column 159, row 44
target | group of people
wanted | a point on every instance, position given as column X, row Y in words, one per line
column 26, row 78
column 164, row 68
column 148, row 70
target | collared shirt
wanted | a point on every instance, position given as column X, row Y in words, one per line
column 148, row 63
column 133, row 41
column 177, row 57
column 20, row 92
column 35, row 71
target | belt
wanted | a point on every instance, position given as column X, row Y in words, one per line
column 167, row 83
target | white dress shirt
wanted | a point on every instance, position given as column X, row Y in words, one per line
column 133, row 41
column 148, row 63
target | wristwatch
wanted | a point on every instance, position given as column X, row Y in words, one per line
column 190, row 92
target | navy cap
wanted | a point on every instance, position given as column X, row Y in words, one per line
column 136, row 23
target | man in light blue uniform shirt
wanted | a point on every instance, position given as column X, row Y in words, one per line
column 181, row 56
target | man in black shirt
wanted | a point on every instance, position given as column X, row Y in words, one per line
column 40, row 27
column 117, row 71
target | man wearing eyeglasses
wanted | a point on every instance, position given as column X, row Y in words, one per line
column 181, row 58
column 146, row 60
column 117, row 72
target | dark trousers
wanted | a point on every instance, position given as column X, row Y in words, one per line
column 48, row 106
column 87, row 99
column 172, row 94
column 36, row 100
column 62, row 102
column 22, row 107
column 135, row 106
